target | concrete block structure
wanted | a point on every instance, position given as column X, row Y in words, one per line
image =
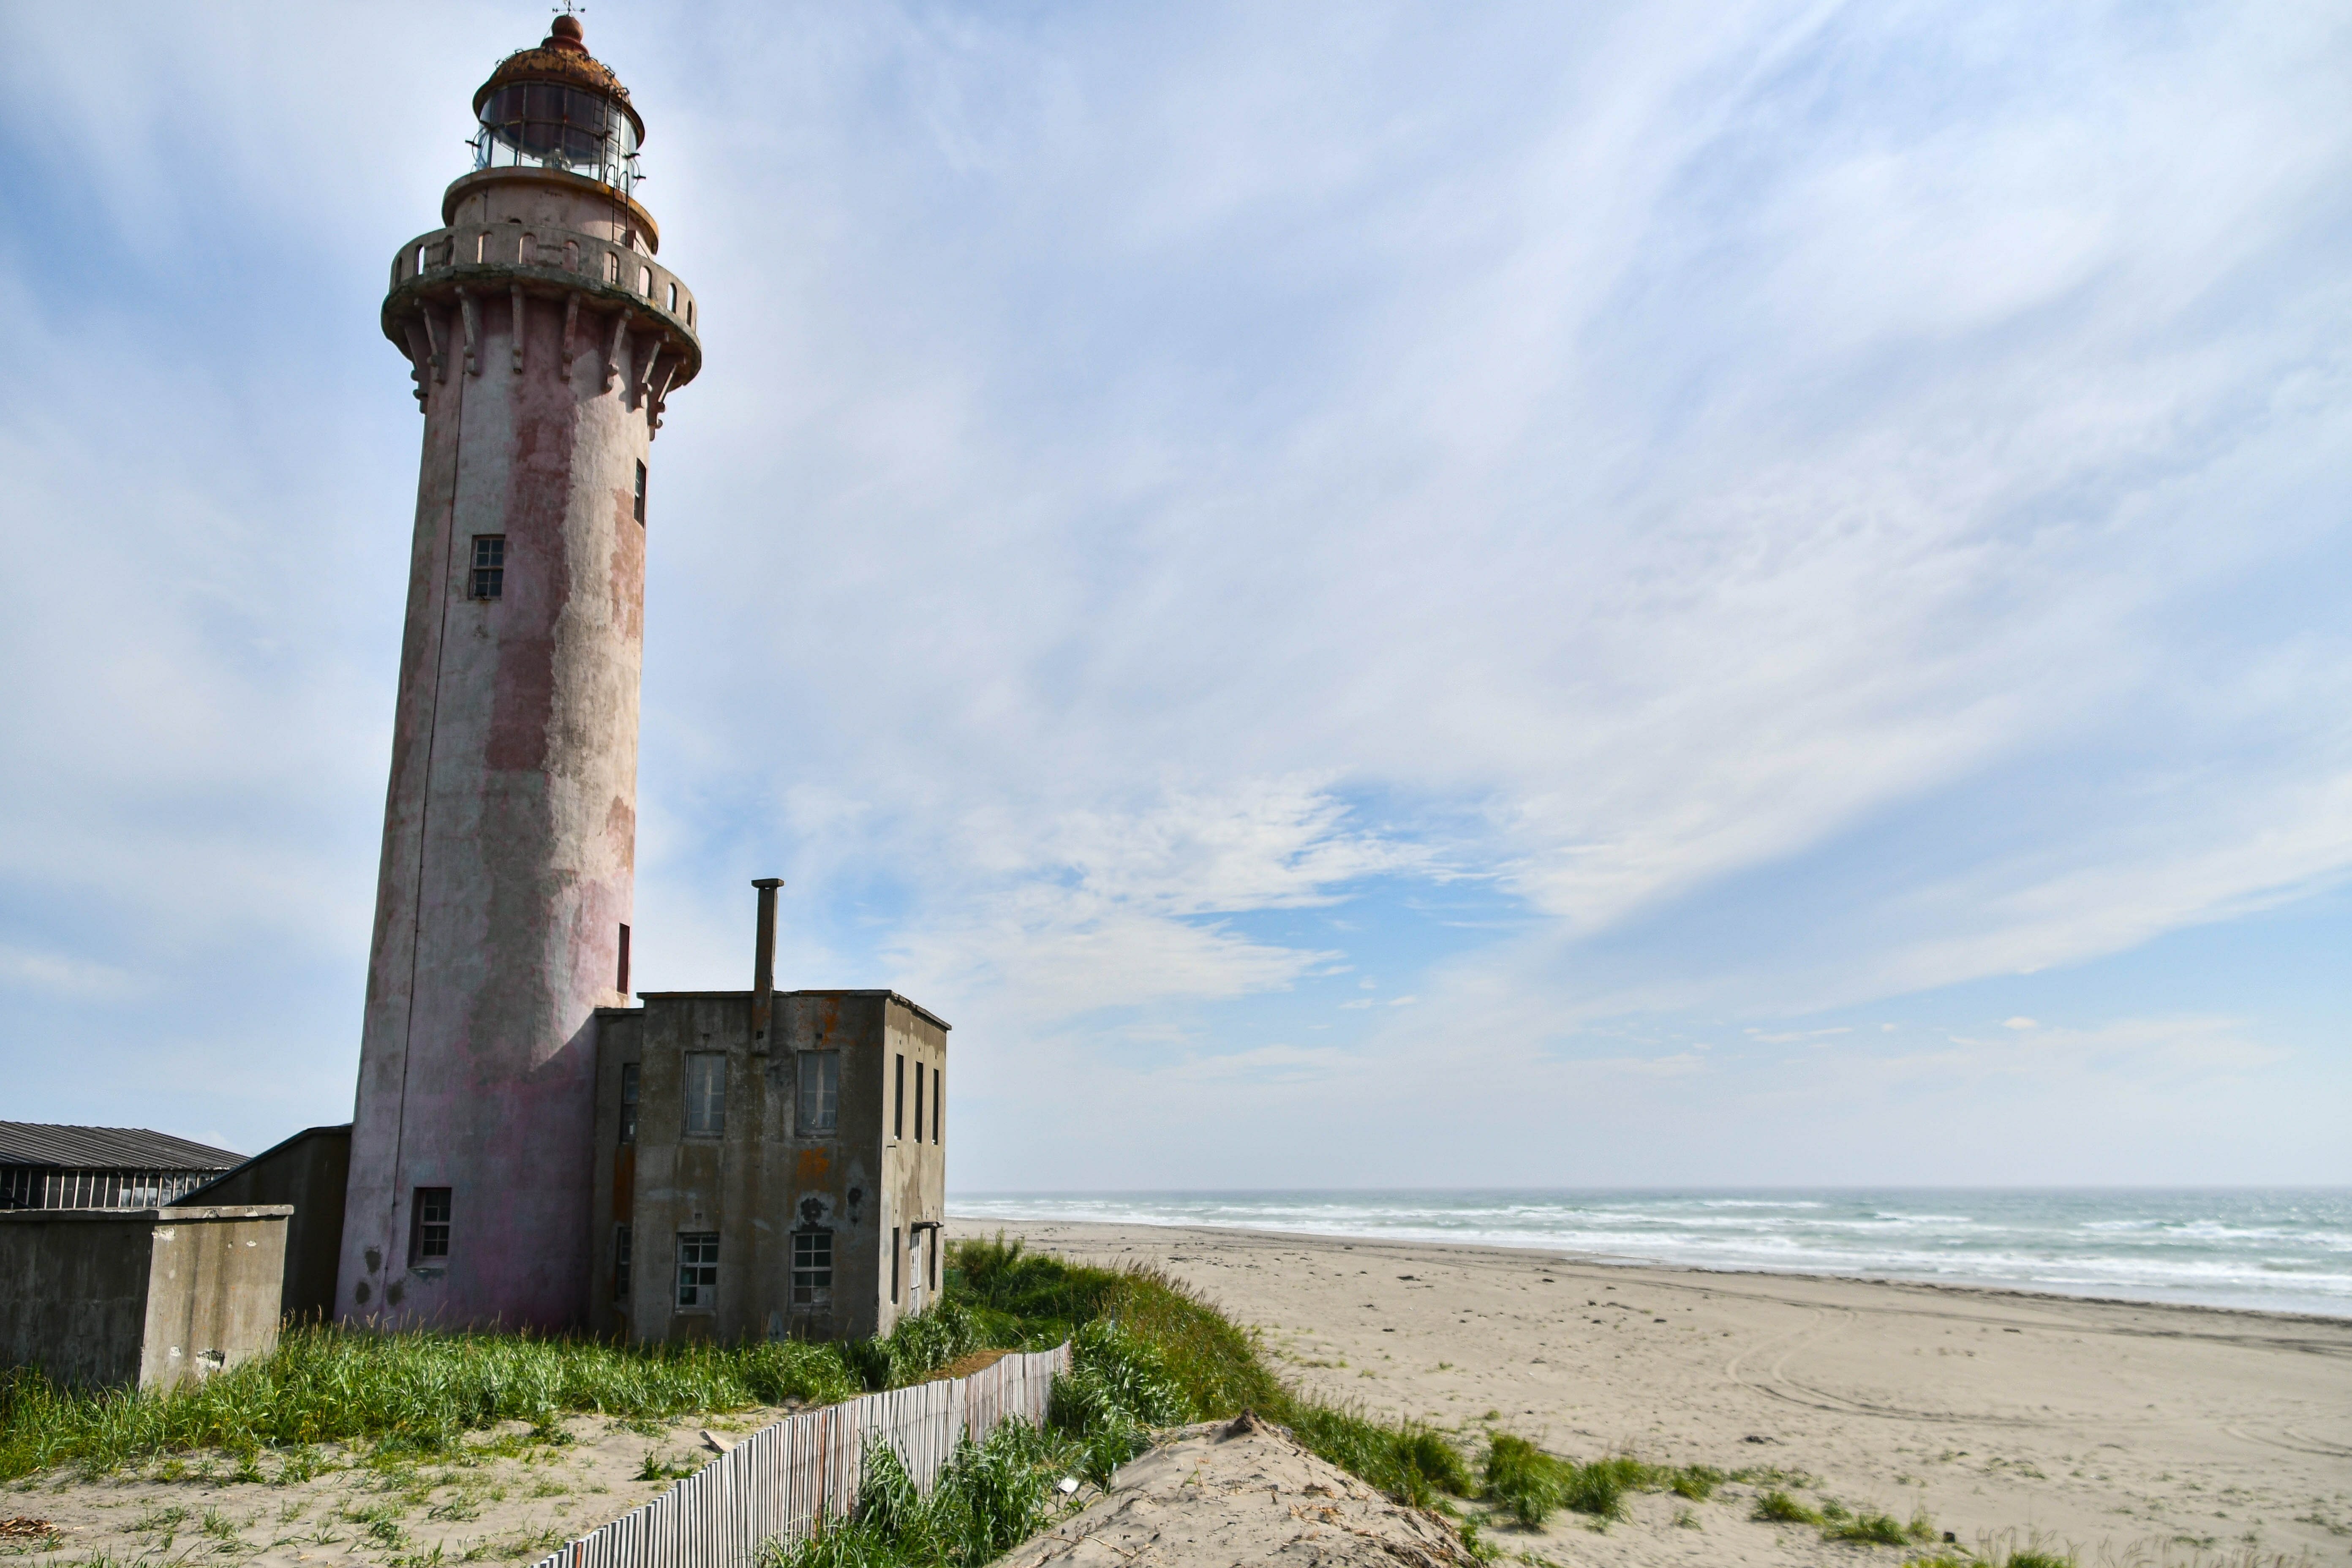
column 543, row 337
column 768, row 1165
column 139, row 1298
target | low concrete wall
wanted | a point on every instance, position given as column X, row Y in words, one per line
column 309, row 1171
column 116, row 1298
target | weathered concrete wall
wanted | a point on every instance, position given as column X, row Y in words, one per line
column 510, row 822
column 309, row 1172
column 142, row 1297
column 765, row 1175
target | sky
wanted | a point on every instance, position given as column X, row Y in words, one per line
column 1360, row 595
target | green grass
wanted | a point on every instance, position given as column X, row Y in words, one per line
column 1215, row 1366
column 1777, row 1506
column 1531, row 1484
column 420, row 1393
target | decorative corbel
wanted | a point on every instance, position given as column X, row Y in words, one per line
column 643, row 363
column 571, row 320
column 514, row 291
column 420, row 353
column 433, row 342
column 613, row 350
column 657, row 390
column 473, row 332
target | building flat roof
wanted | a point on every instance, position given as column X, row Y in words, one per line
column 106, row 1149
column 911, row 1005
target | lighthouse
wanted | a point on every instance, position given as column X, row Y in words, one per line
column 543, row 336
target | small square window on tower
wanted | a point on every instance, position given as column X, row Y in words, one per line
column 428, row 1231
column 489, row 566
column 640, row 504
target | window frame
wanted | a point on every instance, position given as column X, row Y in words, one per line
column 712, row 1109
column 704, row 1265
column 630, row 1075
column 812, row 1257
column 422, row 1224
column 623, row 1245
column 486, row 578
column 824, row 1119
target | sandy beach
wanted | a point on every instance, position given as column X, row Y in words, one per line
column 2129, row 1433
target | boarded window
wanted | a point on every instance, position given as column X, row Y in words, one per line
column 894, row 1263
column 490, row 581
column 706, row 1094
column 620, row 1262
column 939, row 1094
column 621, row 984
column 898, row 1102
column 919, row 1102
column 428, row 1235
column 628, row 1102
column 812, row 1267
column 820, row 1093
column 697, row 1269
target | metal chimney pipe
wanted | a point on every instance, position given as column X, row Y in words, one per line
column 763, row 964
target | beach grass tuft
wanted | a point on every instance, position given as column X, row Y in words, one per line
column 1777, row 1506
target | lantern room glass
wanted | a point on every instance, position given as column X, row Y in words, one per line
column 545, row 125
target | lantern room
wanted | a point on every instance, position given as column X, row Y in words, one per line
column 557, row 107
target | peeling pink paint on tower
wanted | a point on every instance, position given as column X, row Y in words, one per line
column 543, row 337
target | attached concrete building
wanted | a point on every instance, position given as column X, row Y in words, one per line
column 768, row 1166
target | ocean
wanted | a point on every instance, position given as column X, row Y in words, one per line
column 2276, row 1249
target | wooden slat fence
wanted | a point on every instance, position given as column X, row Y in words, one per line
column 782, row 1480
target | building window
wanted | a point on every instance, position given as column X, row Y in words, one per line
column 812, row 1267
column 919, row 1102
column 428, row 1234
column 697, row 1269
column 640, row 504
column 820, row 1093
column 706, row 1094
column 939, row 1094
column 934, row 1245
column 672, row 298
column 628, row 1102
column 894, row 1264
column 898, row 1105
column 489, row 566
column 620, row 1262
column 622, row 983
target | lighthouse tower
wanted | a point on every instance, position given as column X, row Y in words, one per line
column 542, row 336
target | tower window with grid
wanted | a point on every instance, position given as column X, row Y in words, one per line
column 697, row 1269
column 489, row 566
column 428, row 1230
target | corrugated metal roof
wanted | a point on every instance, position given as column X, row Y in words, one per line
column 106, row 1149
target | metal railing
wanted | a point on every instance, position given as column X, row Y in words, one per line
column 786, row 1479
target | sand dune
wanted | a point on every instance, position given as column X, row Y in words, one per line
column 2138, row 1433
